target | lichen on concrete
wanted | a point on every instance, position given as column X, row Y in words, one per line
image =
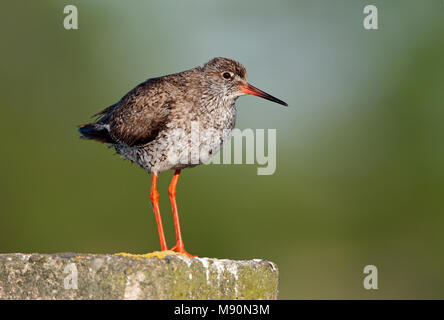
column 157, row 275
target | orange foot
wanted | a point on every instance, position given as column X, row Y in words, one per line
column 182, row 251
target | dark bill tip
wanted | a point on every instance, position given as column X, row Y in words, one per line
column 249, row 89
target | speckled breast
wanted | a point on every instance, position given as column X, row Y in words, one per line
column 186, row 142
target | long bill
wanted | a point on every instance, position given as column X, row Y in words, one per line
column 249, row 89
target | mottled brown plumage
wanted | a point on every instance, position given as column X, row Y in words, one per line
column 153, row 124
column 138, row 125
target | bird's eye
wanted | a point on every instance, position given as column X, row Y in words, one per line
column 227, row 75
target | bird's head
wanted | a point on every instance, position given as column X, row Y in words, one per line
column 229, row 78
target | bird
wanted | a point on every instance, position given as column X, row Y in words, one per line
column 152, row 125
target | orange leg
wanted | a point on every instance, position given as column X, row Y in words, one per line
column 179, row 247
column 154, row 195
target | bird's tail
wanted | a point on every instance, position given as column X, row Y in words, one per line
column 95, row 131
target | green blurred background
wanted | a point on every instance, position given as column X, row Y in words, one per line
column 360, row 175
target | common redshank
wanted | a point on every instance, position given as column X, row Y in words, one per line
column 152, row 124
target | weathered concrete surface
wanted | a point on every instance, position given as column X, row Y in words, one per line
column 125, row 276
